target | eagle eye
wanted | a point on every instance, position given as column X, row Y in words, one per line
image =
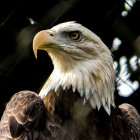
column 75, row 35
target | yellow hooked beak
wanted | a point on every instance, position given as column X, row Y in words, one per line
column 42, row 40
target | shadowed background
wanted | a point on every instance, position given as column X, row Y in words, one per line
column 115, row 21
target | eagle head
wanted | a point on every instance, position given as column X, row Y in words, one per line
column 81, row 61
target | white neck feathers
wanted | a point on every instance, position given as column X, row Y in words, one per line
column 93, row 79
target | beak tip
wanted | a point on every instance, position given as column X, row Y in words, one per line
column 35, row 47
column 35, row 53
column 36, row 56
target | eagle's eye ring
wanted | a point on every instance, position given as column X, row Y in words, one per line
column 74, row 35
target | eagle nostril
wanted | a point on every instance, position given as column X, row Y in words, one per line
column 51, row 33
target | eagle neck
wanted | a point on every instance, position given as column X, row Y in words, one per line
column 95, row 86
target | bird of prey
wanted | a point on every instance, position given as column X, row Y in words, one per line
column 77, row 100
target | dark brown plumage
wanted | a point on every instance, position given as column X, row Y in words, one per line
column 77, row 101
column 62, row 116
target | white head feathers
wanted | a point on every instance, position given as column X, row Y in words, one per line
column 85, row 63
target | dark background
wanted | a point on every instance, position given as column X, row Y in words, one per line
column 19, row 70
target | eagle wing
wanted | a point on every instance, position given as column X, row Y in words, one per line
column 133, row 120
column 25, row 117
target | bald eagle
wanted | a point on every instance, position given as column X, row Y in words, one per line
column 77, row 100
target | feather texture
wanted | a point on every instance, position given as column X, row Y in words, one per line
column 76, row 101
column 63, row 116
